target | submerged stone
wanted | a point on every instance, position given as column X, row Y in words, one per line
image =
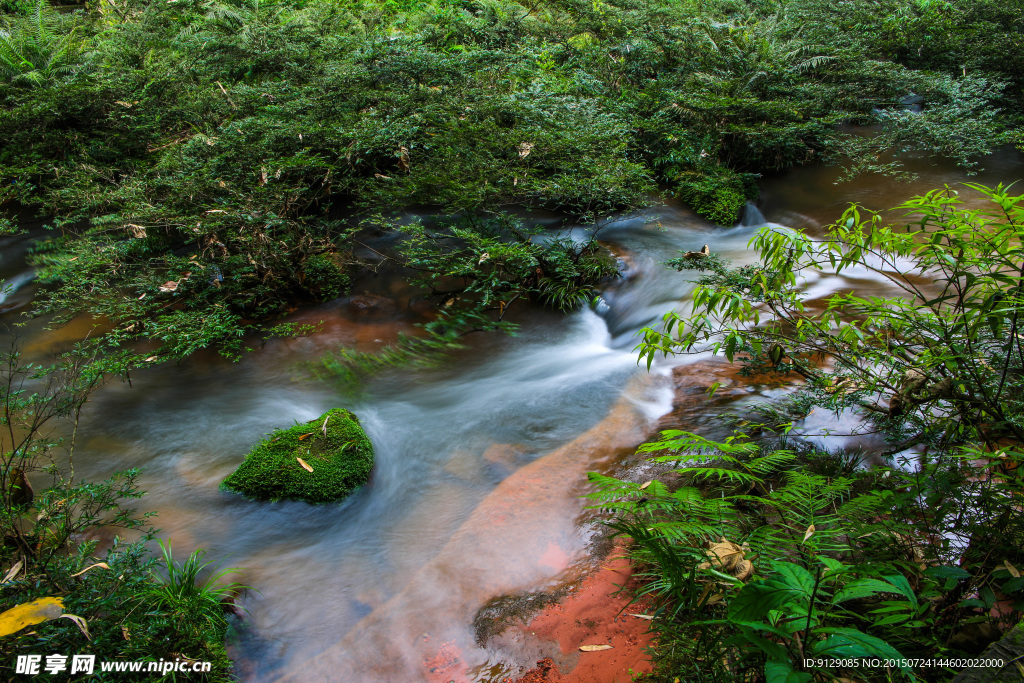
column 321, row 461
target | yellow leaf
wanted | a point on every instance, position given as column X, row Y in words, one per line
column 305, row 465
column 594, row 648
column 28, row 613
column 305, row 436
column 807, row 534
column 645, row 484
column 642, row 616
column 102, row 565
column 1014, row 572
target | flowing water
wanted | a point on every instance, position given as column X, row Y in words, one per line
column 480, row 461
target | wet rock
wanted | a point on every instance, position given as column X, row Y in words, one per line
column 464, row 465
column 1007, row 650
column 974, row 638
column 505, row 454
column 372, row 307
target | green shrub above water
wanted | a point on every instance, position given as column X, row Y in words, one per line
column 719, row 196
column 334, row 446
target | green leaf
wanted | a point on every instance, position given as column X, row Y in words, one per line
column 758, row 598
column 947, row 572
column 861, row 588
column 782, row 671
column 847, row 643
column 795, row 576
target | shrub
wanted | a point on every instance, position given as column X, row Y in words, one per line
column 323, row 277
column 110, row 603
column 757, row 566
column 719, row 196
column 320, row 461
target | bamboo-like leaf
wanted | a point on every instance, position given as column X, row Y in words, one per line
column 13, row 572
column 79, row 622
column 101, row 565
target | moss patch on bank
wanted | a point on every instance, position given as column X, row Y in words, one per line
column 334, row 446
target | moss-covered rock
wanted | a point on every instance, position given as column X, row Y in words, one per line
column 333, row 445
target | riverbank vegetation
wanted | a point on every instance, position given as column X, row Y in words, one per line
column 206, row 165
column 210, row 164
column 769, row 555
column 68, row 587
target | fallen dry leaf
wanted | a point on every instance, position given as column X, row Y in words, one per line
column 101, row 565
column 305, row 465
column 79, row 622
column 594, row 648
column 29, row 613
column 323, row 427
column 169, row 286
column 151, row 359
column 646, row 484
column 807, row 534
column 305, row 436
column 642, row 616
column 14, row 572
column 124, row 632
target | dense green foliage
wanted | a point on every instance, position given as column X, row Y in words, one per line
column 916, row 555
column 123, row 608
column 762, row 557
column 199, row 155
column 941, row 363
column 334, row 446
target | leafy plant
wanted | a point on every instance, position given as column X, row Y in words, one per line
column 185, row 595
column 757, row 566
column 112, row 606
column 940, row 363
column 42, row 48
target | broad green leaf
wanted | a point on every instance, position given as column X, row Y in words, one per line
column 782, row 671
column 861, row 588
column 846, row 643
column 758, row 598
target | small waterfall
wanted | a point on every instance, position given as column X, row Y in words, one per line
column 752, row 216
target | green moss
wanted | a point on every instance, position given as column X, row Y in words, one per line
column 718, row 195
column 341, row 457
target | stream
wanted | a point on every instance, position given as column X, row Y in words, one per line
column 480, row 461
